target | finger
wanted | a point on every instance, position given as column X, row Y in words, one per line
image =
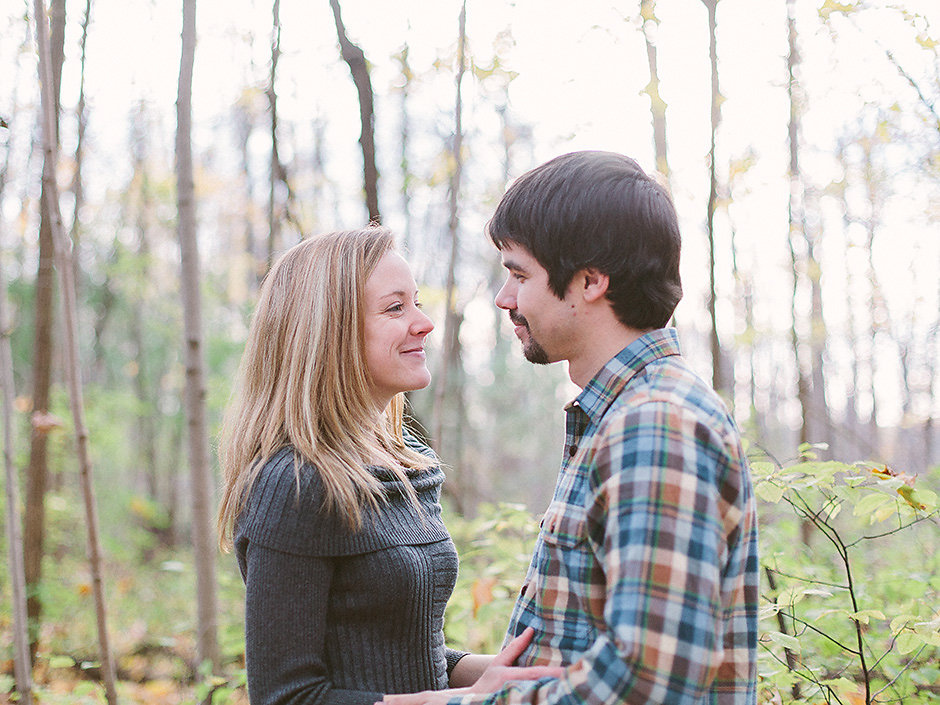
column 533, row 673
column 405, row 699
column 514, row 648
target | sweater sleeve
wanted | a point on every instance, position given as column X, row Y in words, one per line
column 285, row 652
column 453, row 656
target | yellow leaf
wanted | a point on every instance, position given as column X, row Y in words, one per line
column 44, row 422
column 482, row 592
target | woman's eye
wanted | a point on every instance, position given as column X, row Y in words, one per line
column 394, row 308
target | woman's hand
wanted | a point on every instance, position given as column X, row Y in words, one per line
column 499, row 672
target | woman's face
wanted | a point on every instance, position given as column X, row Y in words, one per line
column 394, row 329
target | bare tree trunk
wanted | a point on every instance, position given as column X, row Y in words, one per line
column 274, row 219
column 405, row 140
column 245, row 125
column 356, row 60
column 70, row 320
column 877, row 313
column 77, row 186
column 195, row 392
column 796, row 220
column 718, row 377
column 657, row 104
column 448, row 385
column 142, row 379
column 37, row 474
column 820, row 421
column 22, row 664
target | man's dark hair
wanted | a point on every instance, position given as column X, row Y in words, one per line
column 598, row 210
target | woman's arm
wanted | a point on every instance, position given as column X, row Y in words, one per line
column 495, row 674
column 285, row 622
column 469, row 669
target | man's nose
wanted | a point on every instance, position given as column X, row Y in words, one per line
column 506, row 297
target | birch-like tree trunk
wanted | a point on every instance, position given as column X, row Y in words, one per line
column 356, row 60
column 718, row 377
column 78, row 190
column 143, row 385
column 22, row 663
column 274, row 215
column 796, row 220
column 404, row 132
column 448, row 407
column 204, row 541
column 650, row 24
column 808, row 348
column 63, row 264
column 37, row 473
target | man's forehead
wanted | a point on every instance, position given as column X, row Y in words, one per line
column 515, row 256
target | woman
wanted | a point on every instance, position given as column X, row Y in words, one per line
column 331, row 506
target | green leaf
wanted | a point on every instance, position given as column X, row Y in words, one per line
column 769, row 491
column 863, row 616
column 819, row 591
column 785, row 640
column 867, row 505
column 908, row 642
column 61, row 662
column 901, row 621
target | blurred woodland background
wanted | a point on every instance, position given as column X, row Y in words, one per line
column 800, row 140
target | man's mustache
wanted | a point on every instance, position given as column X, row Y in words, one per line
column 518, row 319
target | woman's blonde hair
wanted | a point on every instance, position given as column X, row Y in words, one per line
column 303, row 381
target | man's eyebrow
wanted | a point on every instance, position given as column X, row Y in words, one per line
column 512, row 265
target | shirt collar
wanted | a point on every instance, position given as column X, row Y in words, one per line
column 601, row 391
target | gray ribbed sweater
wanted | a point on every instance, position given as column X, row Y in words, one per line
column 334, row 617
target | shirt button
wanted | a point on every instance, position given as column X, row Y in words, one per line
column 572, row 449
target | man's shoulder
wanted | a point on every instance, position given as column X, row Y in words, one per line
column 670, row 382
column 668, row 407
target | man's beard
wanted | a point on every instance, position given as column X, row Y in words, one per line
column 531, row 350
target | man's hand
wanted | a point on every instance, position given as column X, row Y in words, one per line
column 499, row 672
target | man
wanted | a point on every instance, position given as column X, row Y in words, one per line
column 644, row 580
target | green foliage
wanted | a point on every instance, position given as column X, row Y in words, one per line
column 494, row 549
column 851, row 598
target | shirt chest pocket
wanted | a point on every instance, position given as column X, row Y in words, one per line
column 563, row 527
column 565, row 577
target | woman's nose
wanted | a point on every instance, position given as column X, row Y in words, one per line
column 422, row 324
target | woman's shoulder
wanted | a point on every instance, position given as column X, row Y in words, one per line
column 284, row 506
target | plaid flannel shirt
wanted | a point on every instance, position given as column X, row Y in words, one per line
column 644, row 579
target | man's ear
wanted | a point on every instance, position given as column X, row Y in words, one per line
column 595, row 284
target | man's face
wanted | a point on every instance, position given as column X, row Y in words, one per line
column 542, row 320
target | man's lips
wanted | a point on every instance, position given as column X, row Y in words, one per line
column 518, row 319
column 521, row 324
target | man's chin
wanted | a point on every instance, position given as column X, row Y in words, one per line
column 535, row 353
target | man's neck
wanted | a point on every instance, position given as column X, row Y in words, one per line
column 603, row 343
